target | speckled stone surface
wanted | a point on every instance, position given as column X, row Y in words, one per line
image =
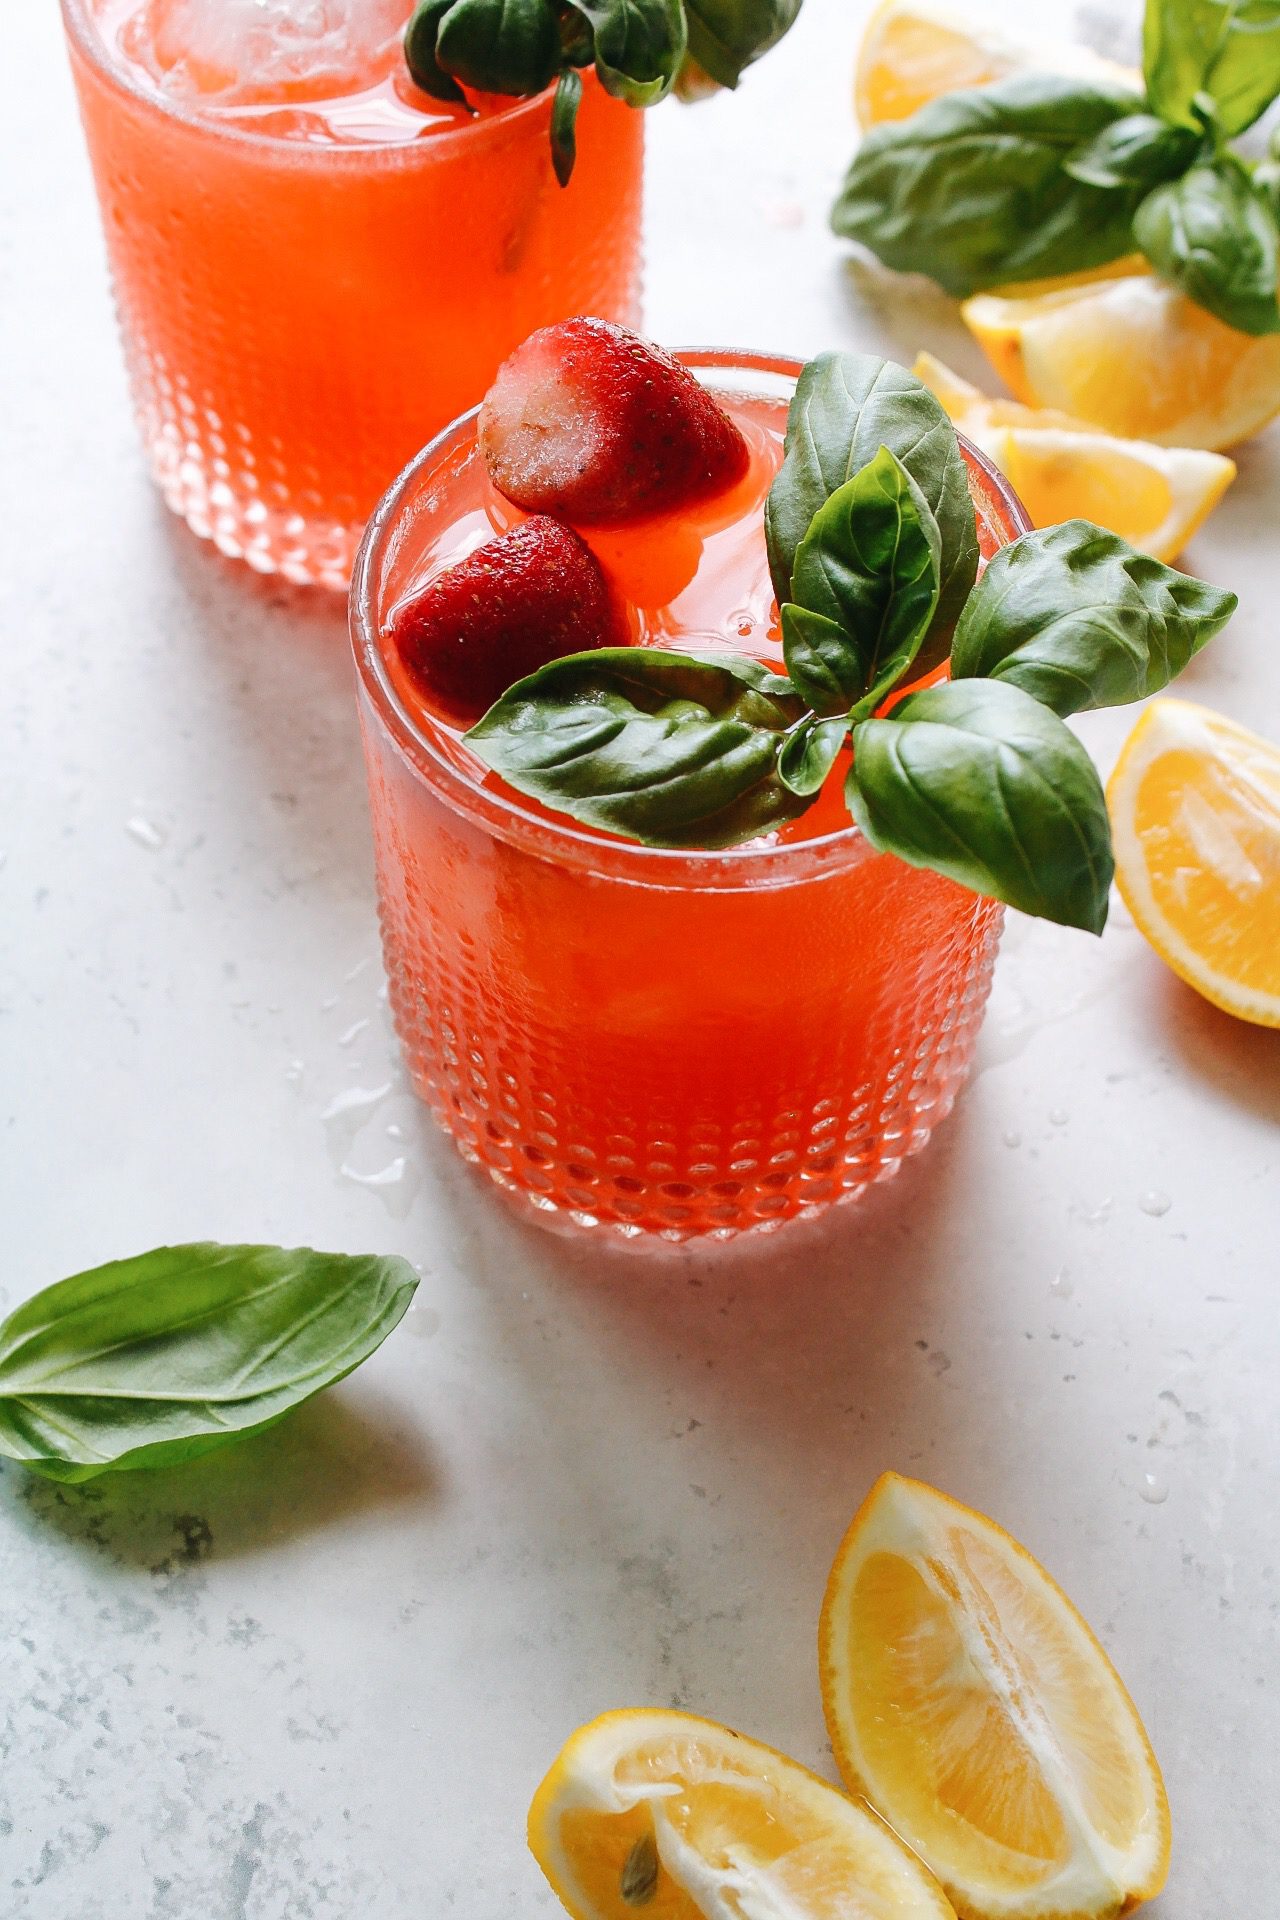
column 318, row 1677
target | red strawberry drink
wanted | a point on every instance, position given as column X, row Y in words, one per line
column 675, row 1040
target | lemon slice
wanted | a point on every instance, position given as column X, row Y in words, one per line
column 658, row 1813
column 968, row 1700
column 1195, row 818
column 1063, row 469
column 1120, row 350
column 912, row 52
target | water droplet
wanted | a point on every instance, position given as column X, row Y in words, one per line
column 145, row 832
column 353, row 1032
column 1062, row 1284
column 359, row 968
column 327, row 1006
column 294, row 1071
column 1154, row 1488
column 352, row 1107
column 1058, row 1116
column 422, row 1322
column 1012, row 1138
column 395, row 1184
column 1155, row 1203
column 782, row 213
column 395, row 1132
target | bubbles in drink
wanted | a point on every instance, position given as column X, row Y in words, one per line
column 240, row 52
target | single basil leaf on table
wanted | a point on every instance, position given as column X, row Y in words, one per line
column 1139, row 151
column 1214, row 237
column 973, row 190
column 672, row 749
column 865, row 590
column 420, row 52
column 725, row 36
column 151, row 1361
column 1227, row 49
column 810, row 753
column 564, row 124
column 639, row 45
column 500, row 46
column 1077, row 618
column 847, row 406
column 978, row 781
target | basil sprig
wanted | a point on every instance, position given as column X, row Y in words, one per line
column 639, row 49
column 977, row 778
column 1040, row 174
column 151, row 1361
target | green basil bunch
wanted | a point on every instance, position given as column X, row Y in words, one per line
column 639, row 48
column 874, row 554
column 1041, row 174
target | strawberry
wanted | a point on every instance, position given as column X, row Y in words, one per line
column 589, row 421
column 527, row 597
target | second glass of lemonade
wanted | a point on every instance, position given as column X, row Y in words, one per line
column 634, row 1038
column 315, row 265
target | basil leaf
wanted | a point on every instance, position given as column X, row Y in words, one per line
column 564, row 124
column 1212, row 236
column 1075, row 617
column 1227, row 49
column 725, row 36
column 639, row 45
column 973, row 190
column 420, row 51
column 673, row 749
column 1138, row 151
column 152, row 1361
column 865, row 583
column 845, row 407
column 977, row 780
column 810, row 753
column 500, row 46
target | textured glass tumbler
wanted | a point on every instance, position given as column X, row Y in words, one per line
column 643, row 1040
column 297, row 319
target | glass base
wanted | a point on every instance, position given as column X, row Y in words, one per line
column 718, row 1182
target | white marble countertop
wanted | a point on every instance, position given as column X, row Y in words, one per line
column 319, row 1676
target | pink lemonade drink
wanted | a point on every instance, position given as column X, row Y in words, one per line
column 315, row 264
column 650, row 1040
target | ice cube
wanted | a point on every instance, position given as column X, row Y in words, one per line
column 247, row 52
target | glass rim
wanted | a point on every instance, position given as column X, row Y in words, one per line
column 505, row 811
column 82, row 28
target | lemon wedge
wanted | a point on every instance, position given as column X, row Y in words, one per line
column 912, row 52
column 1195, row 818
column 656, row 1813
column 1120, row 350
column 1063, row 469
column 970, row 1703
